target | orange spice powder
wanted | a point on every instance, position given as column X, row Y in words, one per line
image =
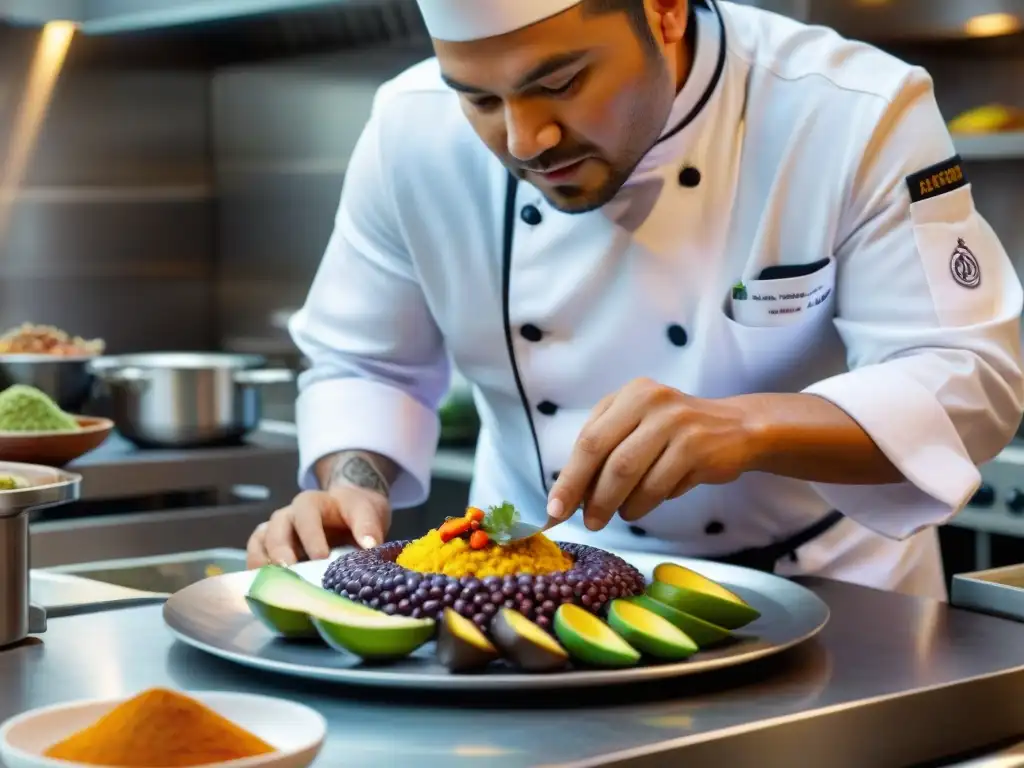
column 159, row 728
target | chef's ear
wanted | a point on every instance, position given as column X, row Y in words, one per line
column 672, row 17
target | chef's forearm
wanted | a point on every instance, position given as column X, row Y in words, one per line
column 363, row 469
column 809, row 438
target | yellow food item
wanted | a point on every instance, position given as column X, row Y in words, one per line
column 535, row 555
column 989, row 118
column 159, row 728
column 12, row 483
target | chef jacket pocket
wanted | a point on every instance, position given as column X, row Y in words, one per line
column 960, row 259
column 778, row 330
column 784, row 295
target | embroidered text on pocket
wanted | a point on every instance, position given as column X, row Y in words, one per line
column 783, row 301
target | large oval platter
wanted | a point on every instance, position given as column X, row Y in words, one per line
column 212, row 616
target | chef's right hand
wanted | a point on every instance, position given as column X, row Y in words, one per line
column 318, row 521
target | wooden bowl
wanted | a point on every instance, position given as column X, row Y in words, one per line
column 55, row 449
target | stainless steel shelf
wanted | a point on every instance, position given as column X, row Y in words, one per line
column 907, row 21
column 994, row 146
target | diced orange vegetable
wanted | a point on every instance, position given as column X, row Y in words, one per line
column 475, row 514
column 452, row 529
column 479, row 540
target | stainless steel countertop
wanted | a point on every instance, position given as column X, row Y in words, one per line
column 890, row 681
column 267, row 457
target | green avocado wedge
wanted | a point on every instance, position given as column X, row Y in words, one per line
column 291, row 625
column 590, row 640
column 697, row 595
column 703, row 633
column 283, row 602
column 649, row 632
column 374, row 638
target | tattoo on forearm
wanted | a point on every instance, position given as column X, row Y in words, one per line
column 357, row 471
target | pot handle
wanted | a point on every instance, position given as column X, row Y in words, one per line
column 258, row 377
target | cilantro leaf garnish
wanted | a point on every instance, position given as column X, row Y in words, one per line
column 499, row 521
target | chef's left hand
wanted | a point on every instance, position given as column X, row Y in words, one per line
column 644, row 444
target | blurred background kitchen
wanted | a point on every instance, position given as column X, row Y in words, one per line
column 169, row 174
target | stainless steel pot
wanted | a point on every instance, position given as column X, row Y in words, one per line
column 185, row 399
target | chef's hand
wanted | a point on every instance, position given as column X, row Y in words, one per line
column 318, row 521
column 643, row 445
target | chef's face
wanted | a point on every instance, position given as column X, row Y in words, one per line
column 573, row 103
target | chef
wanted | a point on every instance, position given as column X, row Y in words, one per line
column 716, row 277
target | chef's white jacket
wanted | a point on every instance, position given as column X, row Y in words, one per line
column 788, row 145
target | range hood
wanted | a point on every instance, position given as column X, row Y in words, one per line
column 119, row 16
column 872, row 20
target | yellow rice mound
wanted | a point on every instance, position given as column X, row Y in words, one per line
column 535, row 555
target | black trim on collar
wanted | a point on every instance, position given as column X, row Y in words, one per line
column 719, row 68
column 508, row 236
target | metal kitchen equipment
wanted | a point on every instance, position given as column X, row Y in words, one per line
column 66, row 380
column 997, row 591
column 45, row 487
column 186, row 399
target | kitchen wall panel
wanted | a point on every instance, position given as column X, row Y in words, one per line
column 282, row 135
column 112, row 232
column 123, row 129
column 130, row 313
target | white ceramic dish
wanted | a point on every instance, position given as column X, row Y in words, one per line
column 297, row 731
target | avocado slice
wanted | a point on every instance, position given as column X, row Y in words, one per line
column 703, row 633
column 374, row 638
column 590, row 640
column 292, row 625
column 283, row 601
column 379, row 638
column 461, row 646
column 690, row 592
column 526, row 643
column 649, row 632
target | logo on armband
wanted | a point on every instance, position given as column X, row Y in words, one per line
column 964, row 266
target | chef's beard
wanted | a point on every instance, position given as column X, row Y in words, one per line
column 645, row 122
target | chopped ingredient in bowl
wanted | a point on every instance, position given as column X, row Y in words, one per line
column 29, row 339
column 159, row 728
column 26, row 409
column 12, row 483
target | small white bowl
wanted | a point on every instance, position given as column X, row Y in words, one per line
column 296, row 731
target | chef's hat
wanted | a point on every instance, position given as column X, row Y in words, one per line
column 460, row 20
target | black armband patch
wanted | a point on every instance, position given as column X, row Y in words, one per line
column 937, row 179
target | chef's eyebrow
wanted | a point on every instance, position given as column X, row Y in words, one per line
column 546, row 68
